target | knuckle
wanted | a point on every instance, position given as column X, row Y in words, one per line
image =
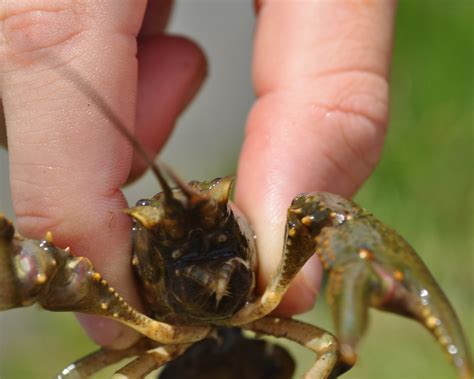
column 360, row 108
column 362, row 93
column 31, row 27
column 355, row 104
column 344, row 113
column 37, row 204
column 34, row 222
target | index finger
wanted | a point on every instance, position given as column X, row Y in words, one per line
column 321, row 77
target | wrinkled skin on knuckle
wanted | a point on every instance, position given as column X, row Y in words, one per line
column 350, row 142
column 333, row 125
column 360, row 101
column 350, row 111
column 31, row 29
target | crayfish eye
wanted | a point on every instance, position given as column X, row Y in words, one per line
column 143, row 203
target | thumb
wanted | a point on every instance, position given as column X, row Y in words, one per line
column 319, row 119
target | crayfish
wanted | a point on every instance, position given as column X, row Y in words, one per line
column 195, row 258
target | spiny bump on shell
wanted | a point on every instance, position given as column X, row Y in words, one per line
column 48, row 237
column 444, row 340
column 176, row 254
column 432, row 322
column 366, row 254
column 425, row 312
column 398, row 275
column 307, row 220
column 41, row 278
column 292, row 232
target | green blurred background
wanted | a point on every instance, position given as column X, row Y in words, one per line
column 423, row 187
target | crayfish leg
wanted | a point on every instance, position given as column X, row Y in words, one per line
column 328, row 364
column 38, row 271
column 150, row 361
column 78, row 287
column 299, row 246
column 102, row 358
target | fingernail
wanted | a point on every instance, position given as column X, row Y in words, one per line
column 107, row 333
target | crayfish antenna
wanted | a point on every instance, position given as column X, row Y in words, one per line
column 108, row 112
column 193, row 196
column 167, row 191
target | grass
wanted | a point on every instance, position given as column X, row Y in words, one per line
column 423, row 187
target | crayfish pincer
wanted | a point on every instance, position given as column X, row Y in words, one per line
column 195, row 257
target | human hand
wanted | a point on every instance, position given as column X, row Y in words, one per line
column 67, row 161
column 320, row 71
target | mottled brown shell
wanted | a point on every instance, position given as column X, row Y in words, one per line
column 193, row 259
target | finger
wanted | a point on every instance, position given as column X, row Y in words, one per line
column 320, row 73
column 170, row 72
column 156, row 17
column 67, row 161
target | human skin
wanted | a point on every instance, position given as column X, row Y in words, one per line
column 320, row 72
